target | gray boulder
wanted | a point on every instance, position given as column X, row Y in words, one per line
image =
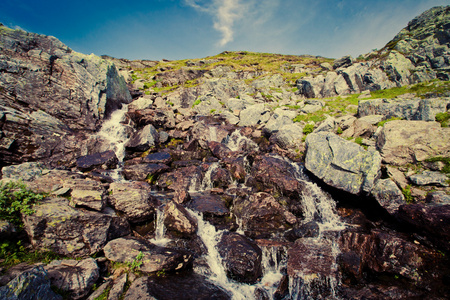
column 57, row 227
column 86, row 193
column 153, row 258
column 73, row 276
column 343, row 62
column 133, row 199
column 27, row 171
column 254, row 115
column 402, row 142
column 429, row 178
column 288, row 136
column 341, row 163
column 388, row 195
column 31, row 285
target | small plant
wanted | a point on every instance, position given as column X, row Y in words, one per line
column 407, row 194
column 16, row 199
column 381, row 123
column 197, row 102
column 136, row 263
column 212, row 111
column 339, row 130
column 445, row 160
column 308, row 129
column 161, row 273
column 359, row 140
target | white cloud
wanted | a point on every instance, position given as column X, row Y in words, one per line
column 225, row 14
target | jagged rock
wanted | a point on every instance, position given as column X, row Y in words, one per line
column 154, row 258
column 209, row 204
column 178, row 220
column 381, row 252
column 288, row 136
column 276, row 174
column 141, row 172
column 53, row 90
column 100, row 290
column 73, row 276
column 159, row 118
column 57, row 227
column 429, row 178
column 219, row 150
column 397, row 176
column 26, row 171
column 402, row 142
column 32, row 285
column 438, row 198
column 343, row 62
column 143, row 139
column 158, row 158
column 274, row 124
column 204, row 133
column 254, row 115
column 141, row 103
column 6, row 229
column 341, row 164
column 241, row 257
column 236, row 167
column 133, row 199
column 432, row 219
column 309, row 229
column 86, row 193
column 388, row 195
column 327, row 126
column 415, row 109
column 118, row 287
column 105, row 160
column 360, row 128
column 175, row 287
column 187, row 178
column 262, row 215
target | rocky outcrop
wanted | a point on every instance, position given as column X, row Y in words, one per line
column 49, row 91
column 401, row 142
column 342, row 164
column 418, row 53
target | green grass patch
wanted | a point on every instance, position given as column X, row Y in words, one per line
column 381, row 123
column 14, row 252
column 437, row 87
column 308, row 129
column 443, row 118
column 445, row 160
column 407, row 194
column 196, row 102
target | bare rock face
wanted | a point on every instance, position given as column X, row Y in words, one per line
column 178, row 219
column 48, row 91
column 342, row 164
column 57, row 227
column 73, row 276
column 402, row 142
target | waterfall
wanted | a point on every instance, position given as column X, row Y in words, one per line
column 160, row 229
column 207, row 183
column 236, row 142
column 115, row 132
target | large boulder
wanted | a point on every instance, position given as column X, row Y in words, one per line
column 73, row 276
column 254, row 115
column 342, row 164
column 57, row 227
column 105, row 160
column 388, row 195
column 141, row 172
column 402, row 142
column 148, row 257
column 32, row 285
column 48, row 90
column 133, row 199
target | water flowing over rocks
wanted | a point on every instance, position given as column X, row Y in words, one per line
column 221, row 180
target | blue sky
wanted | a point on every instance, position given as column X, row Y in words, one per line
column 179, row 29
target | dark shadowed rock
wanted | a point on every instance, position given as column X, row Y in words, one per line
column 158, row 158
column 104, row 160
column 57, row 227
column 262, row 215
column 241, row 256
column 133, row 199
column 72, row 276
column 143, row 139
column 209, row 204
column 236, row 166
column 438, row 198
column 186, row 178
column 432, row 219
column 154, row 258
column 309, row 229
column 183, row 286
column 31, row 285
column 141, row 172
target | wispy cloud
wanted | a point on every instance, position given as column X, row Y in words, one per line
column 225, row 14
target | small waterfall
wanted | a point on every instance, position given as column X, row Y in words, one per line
column 160, row 229
column 213, row 134
column 207, row 183
column 115, row 132
column 236, row 142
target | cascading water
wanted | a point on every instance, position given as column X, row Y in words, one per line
column 160, row 229
column 236, row 141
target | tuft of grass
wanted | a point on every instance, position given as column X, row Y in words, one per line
column 445, row 160
column 197, row 102
column 407, row 194
column 381, row 123
column 442, row 118
column 308, row 129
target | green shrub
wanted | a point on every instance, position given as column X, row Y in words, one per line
column 443, row 118
column 16, row 199
column 359, row 140
column 407, row 193
column 308, row 129
column 197, row 102
column 339, row 130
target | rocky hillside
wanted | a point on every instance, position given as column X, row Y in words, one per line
column 238, row 176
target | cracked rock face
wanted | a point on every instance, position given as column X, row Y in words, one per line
column 341, row 163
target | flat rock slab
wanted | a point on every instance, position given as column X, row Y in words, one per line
column 158, row 158
column 107, row 160
column 141, row 172
column 402, row 142
column 342, row 164
column 429, row 178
